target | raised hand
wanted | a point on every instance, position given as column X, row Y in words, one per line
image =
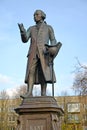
column 21, row 27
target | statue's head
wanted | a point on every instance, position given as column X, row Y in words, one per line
column 39, row 15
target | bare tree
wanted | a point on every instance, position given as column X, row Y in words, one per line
column 80, row 81
column 4, row 95
column 3, row 110
column 21, row 90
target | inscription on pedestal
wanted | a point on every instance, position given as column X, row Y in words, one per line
column 36, row 127
column 38, row 124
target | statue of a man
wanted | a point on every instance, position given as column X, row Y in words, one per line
column 38, row 68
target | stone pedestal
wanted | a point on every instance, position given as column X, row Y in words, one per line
column 39, row 113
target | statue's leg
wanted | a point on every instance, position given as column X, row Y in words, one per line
column 30, row 85
column 43, row 89
column 32, row 76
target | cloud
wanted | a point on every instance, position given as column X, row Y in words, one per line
column 11, row 91
column 9, row 83
column 5, row 79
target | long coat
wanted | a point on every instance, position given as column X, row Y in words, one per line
column 38, row 39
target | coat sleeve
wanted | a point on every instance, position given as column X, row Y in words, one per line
column 52, row 36
column 25, row 35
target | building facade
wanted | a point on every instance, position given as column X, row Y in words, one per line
column 8, row 117
column 75, row 112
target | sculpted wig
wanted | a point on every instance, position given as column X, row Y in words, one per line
column 42, row 13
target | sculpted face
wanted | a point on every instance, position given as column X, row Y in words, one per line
column 37, row 16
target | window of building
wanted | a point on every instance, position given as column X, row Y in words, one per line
column 85, row 106
column 73, row 118
column 73, row 107
column 85, row 117
column 2, row 109
column 11, row 118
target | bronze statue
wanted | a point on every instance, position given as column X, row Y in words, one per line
column 39, row 64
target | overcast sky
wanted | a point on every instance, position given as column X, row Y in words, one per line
column 69, row 20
